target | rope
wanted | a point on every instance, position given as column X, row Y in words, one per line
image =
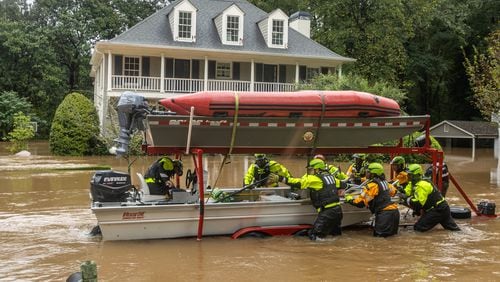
column 233, row 135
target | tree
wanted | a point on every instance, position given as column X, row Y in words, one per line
column 483, row 71
column 372, row 32
column 353, row 82
column 10, row 105
column 75, row 128
column 22, row 132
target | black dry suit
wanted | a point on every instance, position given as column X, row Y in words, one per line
column 322, row 198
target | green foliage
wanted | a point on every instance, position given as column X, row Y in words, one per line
column 372, row 32
column 483, row 71
column 23, row 131
column 353, row 82
column 10, row 104
column 75, row 128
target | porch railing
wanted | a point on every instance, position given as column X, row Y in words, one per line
column 186, row 85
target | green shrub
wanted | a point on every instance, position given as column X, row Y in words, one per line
column 23, row 131
column 75, row 128
column 356, row 83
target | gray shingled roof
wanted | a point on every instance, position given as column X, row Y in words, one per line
column 155, row 30
column 478, row 128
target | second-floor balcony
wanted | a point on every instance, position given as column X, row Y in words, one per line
column 186, row 85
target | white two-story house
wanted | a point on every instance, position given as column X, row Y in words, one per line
column 209, row 45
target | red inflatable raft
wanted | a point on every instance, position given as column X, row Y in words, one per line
column 284, row 104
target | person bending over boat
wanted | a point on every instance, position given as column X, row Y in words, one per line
column 259, row 172
column 356, row 171
column 333, row 170
column 398, row 165
column 159, row 174
column 445, row 176
column 324, row 197
column 376, row 196
column 424, row 198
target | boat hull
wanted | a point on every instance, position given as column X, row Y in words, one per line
column 181, row 220
column 310, row 103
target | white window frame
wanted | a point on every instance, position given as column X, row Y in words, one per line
column 276, row 34
column 125, row 66
column 219, row 71
column 234, row 29
column 181, row 26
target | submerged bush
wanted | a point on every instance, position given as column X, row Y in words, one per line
column 75, row 128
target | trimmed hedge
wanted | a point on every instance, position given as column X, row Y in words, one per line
column 75, row 128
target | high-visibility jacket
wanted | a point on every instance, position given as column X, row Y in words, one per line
column 335, row 171
column 256, row 174
column 423, row 195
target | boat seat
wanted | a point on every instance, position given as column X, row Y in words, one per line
column 146, row 196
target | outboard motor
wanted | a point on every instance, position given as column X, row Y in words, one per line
column 110, row 186
column 132, row 110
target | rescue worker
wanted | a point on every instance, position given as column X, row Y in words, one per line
column 159, row 174
column 333, row 170
column 376, row 197
column 356, row 170
column 324, row 198
column 398, row 165
column 445, row 177
column 259, row 172
column 427, row 201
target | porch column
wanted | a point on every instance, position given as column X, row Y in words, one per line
column 252, row 75
column 205, row 75
column 474, row 148
column 340, row 71
column 110, row 73
column 162, row 74
column 297, row 73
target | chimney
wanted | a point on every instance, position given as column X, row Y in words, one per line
column 301, row 22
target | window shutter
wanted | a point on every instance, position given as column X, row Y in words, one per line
column 211, row 69
column 302, row 73
column 118, row 65
column 236, row 71
column 258, row 72
column 282, row 78
column 169, row 67
column 145, row 66
column 195, row 71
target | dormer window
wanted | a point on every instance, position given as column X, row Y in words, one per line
column 185, row 25
column 182, row 21
column 229, row 24
column 274, row 29
column 277, row 34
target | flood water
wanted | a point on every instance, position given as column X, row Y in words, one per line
column 45, row 220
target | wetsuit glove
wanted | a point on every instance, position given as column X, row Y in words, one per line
column 348, row 199
column 272, row 178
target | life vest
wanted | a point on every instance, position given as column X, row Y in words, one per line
column 153, row 175
column 327, row 194
column 383, row 199
column 261, row 173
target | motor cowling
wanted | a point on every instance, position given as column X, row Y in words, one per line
column 110, row 186
column 132, row 110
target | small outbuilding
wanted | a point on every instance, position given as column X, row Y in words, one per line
column 473, row 130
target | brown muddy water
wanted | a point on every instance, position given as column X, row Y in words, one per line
column 45, row 220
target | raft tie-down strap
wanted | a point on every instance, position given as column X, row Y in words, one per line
column 233, row 135
column 320, row 120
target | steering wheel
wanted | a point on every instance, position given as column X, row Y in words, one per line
column 191, row 178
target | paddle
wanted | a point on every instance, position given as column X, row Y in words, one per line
column 249, row 186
